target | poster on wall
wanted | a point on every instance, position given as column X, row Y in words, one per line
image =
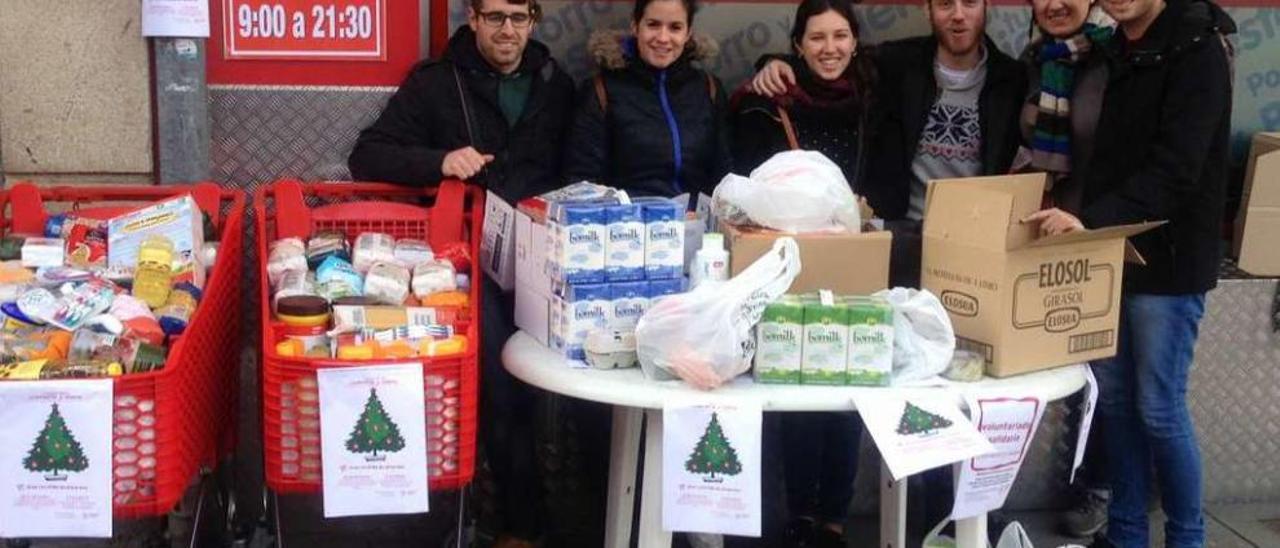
column 55, row 449
column 175, row 18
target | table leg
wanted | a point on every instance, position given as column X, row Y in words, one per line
column 651, row 533
column 893, row 510
column 972, row 532
column 624, row 452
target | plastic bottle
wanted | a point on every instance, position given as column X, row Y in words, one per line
column 711, row 262
column 178, row 308
column 153, row 277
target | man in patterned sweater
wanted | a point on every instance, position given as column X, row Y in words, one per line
column 949, row 106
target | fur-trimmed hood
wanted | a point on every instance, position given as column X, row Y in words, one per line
column 611, row 49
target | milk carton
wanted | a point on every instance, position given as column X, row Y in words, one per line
column 664, row 238
column 826, row 343
column 584, row 308
column 779, row 342
column 624, row 243
column 630, row 300
column 662, row 288
column 870, row 357
column 578, row 247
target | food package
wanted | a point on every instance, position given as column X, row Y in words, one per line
column 433, row 277
column 86, row 242
column 387, row 282
column 336, row 278
column 325, row 244
column 37, row 252
column 285, row 255
column 411, row 253
column 372, row 248
column 178, row 219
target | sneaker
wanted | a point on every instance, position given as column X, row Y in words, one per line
column 801, row 532
column 1089, row 516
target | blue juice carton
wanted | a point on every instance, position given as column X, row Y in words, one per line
column 584, row 308
column 662, row 288
column 664, row 238
column 578, row 233
column 624, row 243
column 630, row 301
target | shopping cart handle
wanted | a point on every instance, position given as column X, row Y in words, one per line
column 447, row 213
column 293, row 217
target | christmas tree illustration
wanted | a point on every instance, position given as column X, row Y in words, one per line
column 918, row 421
column 55, row 450
column 375, row 431
column 713, row 454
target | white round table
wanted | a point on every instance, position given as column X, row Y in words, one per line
column 638, row 401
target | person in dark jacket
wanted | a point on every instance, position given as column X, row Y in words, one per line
column 948, row 107
column 491, row 111
column 825, row 111
column 651, row 122
column 1161, row 154
column 1066, row 76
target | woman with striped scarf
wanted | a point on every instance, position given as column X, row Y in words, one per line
column 1067, row 75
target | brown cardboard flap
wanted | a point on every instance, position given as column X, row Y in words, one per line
column 1024, row 192
column 1106, row 233
column 968, row 215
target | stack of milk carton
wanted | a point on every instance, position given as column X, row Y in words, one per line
column 608, row 258
column 822, row 339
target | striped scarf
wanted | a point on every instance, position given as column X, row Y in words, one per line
column 1051, row 138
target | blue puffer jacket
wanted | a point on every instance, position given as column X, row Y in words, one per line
column 660, row 133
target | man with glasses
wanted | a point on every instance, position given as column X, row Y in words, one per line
column 492, row 111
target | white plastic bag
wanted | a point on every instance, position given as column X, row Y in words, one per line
column 1013, row 536
column 795, row 191
column 923, row 339
column 704, row 336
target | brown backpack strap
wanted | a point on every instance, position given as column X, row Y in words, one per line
column 602, row 96
column 788, row 128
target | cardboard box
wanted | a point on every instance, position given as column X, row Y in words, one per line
column 1259, row 215
column 847, row 264
column 1025, row 303
column 533, row 285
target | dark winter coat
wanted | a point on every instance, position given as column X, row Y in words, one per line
column 632, row 146
column 907, row 91
column 1163, row 145
column 838, row 133
column 426, row 119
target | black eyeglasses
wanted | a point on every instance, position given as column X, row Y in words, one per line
column 496, row 19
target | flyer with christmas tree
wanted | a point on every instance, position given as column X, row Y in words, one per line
column 916, row 430
column 711, row 469
column 55, row 451
column 373, row 440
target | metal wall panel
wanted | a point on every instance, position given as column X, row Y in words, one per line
column 263, row 133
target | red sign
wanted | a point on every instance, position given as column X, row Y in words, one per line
column 335, row 30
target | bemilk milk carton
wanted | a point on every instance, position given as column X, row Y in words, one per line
column 664, row 238
column 624, row 243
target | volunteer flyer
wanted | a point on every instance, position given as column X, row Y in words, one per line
column 711, row 469
column 373, row 440
column 1009, row 422
column 918, row 431
column 55, row 449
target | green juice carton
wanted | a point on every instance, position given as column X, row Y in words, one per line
column 826, row 342
column 779, row 339
column 869, row 361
